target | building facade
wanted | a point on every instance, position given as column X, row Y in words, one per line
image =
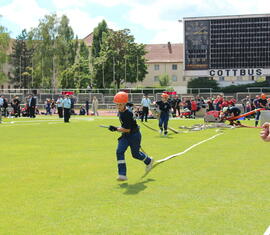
column 231, row 49
column 164, row 59
column 161, row 59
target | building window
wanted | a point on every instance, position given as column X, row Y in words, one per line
column 221, row 79
column 174, row 67
column 174, row 78
column 156, row 78
column 156, row 67
column 184, row 79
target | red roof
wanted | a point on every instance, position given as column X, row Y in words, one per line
column 155, row 53
column 88, row 40
column 164, row 53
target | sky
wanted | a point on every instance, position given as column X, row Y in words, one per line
column 150, row 21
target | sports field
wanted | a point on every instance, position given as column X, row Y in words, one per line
column 60, row 178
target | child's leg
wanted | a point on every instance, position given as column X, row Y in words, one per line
column 160, row 123
column 257, row 118
column 166, row 120
column 120, row 154
column 135, row 144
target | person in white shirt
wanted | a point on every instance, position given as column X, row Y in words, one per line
column 59, row 104
column 145, row 103
column 67, row 106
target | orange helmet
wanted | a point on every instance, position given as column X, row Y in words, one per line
column 164, row 95
column 120, row 98
column 263, row 96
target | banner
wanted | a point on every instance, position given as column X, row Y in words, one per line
column 67, row 93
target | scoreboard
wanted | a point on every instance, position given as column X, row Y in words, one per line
column 227, row 45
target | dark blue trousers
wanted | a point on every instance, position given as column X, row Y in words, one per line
column 163, row 121
column 134, row 141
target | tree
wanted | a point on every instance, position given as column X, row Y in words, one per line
column 77, row 75
column 120, row 60
column 55, row 49
column 21, row 59
column 4, row 44
column 164, row 80
column 203, row 82
column 98, row 66
column 98, row 34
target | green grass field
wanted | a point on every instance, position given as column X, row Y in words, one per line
column 59, row 178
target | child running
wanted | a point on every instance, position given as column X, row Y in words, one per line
column 131, row 136
column 164, row 107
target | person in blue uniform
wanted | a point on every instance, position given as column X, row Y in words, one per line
column 230, row 112
column 131, row 137
column 164, row 107
column 261, row 103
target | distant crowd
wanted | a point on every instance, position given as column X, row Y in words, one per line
column 180, row 107
column 28, row 107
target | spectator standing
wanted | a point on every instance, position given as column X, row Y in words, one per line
column 72, row 108
column 194, row 108
column 16, row 106
column 177, row 105
column 95, row 106
column 262, row 103
column 244, row 103
column 53, row 106
column 5, row 107
column 48, row 107
column 59, row 104
column 67, row 107
column 145, row 103
column 32, row 106
column 87, row 106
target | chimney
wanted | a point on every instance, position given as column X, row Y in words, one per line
column 170, row 47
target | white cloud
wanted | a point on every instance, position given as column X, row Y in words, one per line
column 25, row 13
column 172, row 33
column 151, row 15
column 60, row 4
column 154, row 15
column 82, row 23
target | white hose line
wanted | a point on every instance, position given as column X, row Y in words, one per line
column 191, row 147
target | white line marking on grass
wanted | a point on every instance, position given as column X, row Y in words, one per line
column 47, row 120
column 56, row 123
column 30, row 124
column 33, row 121
column 191, row 147
column 267, row 232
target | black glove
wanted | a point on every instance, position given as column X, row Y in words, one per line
column 112, row 128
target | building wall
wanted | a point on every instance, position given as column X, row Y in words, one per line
column 151, row 79
column 7, row 85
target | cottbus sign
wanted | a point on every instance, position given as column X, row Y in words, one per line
column 235, row 72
